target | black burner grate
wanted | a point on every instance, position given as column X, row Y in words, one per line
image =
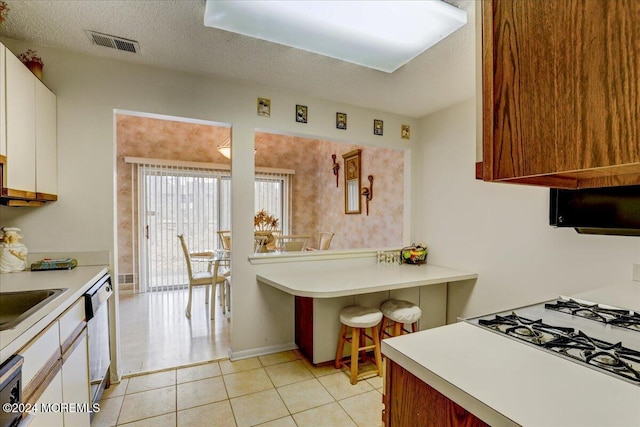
column 611, row 316
column 571, row 343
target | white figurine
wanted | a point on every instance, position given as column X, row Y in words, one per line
column 13, row 254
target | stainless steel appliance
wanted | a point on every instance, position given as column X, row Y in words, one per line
column 11, row 391
column 601, row 337
column 97, row 315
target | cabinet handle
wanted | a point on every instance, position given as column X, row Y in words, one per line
column 146, row 231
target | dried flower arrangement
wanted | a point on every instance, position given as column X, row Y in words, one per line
column 264, row 221
column 30, row 56
column 32, row 60
column 4, row 9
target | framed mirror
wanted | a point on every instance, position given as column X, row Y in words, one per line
column 352, row 182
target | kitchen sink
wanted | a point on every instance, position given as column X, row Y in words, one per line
column 15, row 307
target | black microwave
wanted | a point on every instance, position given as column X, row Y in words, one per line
column 610, row 210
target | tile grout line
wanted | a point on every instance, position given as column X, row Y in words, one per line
column 262, row 366
column 233, row 413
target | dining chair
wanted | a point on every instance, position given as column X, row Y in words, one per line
column 271, row 246
column 259, row 243
column 291, row 243
column 324, row 240
column 202, row 278
column 225, row 239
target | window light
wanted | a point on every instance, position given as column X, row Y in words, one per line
column 383, row 35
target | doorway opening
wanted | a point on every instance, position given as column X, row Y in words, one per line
column 173, row 181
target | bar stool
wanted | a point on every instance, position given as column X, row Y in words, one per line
column 359, row 319
column 396, row 314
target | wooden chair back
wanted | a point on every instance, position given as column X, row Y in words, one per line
column 291, row 243
column 259, row 242
column 324, row 240
column 225, row 239
column 187, row 256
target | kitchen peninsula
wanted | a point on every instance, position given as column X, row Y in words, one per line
column 504, row 382
column 323, row 288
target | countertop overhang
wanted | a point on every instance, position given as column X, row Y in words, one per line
column 330, row 279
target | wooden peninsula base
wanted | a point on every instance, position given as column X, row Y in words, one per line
column 408, row 401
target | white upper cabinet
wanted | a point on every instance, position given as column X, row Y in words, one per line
column 29, row 144
column 3, row 98
column 46, row 142
column 20, row 169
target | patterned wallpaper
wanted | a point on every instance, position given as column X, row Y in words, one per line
column 317, row 204
column 157, row 139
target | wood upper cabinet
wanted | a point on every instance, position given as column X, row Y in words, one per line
column 561, row 91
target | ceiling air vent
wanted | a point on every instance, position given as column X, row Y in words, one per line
column 113, row 42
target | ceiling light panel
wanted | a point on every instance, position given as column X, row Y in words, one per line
column 383, row 35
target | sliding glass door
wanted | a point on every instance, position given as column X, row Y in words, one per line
column 175, row 200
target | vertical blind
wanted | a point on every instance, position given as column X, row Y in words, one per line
column 177, row 200
column 193, row 199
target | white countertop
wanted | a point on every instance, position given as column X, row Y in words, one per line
column 77, row 280
column 330, row 279
column 506, row 382
column 625, row 295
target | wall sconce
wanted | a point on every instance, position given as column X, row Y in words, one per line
column 336, row 168
column 225, row 148
column 368, row 192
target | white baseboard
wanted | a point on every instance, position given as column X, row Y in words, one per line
column 261, row 351
column 636, row 272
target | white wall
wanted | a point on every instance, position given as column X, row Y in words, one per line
column 499, row 230
column 89, row 89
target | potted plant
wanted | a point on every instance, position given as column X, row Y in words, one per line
column 265, row 224
column 33, row 61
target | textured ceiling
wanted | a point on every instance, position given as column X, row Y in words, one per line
column 172, row 36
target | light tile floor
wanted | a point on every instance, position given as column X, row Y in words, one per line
column 276, row 390
column 155, row 333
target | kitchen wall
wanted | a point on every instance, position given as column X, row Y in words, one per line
column 498, row 230
column 89, row 89
column 318, row 205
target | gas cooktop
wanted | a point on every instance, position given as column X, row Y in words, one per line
column 601, row 337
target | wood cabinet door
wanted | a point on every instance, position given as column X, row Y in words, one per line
column 410, row 402
column 561, row 83
column 46, row 141
column 20, row 170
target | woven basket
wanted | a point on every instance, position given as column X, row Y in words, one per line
column 413, row 255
